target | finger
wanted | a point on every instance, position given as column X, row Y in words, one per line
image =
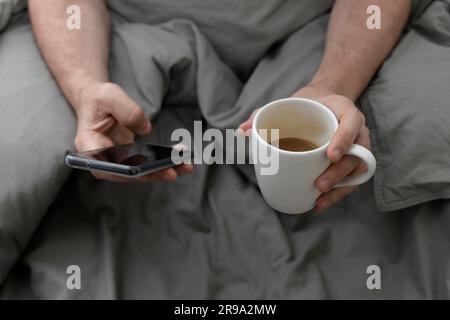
column 164, row 175
column 169, row 175
column 336, row 172
column 103, row 126
column 328, row 199
column 126, row 111
column 109, row 177
column 364, row 137
column 349, row 128
column 157, row 176
column 247, row 125
column 91, row 140
column 121, row 135
column 184, row 169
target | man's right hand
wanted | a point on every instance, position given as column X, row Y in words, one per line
column 107, row 116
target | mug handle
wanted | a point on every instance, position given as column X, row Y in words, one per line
column 366, row 156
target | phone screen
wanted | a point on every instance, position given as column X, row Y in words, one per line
column 136, row 154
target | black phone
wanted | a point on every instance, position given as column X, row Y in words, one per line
column 130, row 160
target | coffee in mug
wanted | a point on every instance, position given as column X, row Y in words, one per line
column 294, row 144
column 304, row 129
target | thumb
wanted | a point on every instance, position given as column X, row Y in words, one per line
column 247, row 125
column 92, row 140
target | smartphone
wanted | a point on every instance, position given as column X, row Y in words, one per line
column 130, row 160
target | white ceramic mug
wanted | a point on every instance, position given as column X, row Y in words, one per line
column 291, row 188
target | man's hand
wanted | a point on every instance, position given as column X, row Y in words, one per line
column 353, row 54
column 79, row 61
column 352, row 129
column 107, row 116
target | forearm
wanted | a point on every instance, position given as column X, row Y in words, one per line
column 75, row 57
column 353, row 53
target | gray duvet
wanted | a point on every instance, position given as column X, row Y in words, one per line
column 210, row 234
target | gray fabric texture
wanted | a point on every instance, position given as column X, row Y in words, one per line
column 37, row 127
column 240, row 32
column 210, row 234
column 408, row 113
column 8, row 8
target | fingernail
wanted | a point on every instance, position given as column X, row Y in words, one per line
column 145, row 126
column 325, row 185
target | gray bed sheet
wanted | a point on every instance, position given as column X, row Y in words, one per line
column 210, row 234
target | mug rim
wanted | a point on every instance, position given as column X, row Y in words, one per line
column 273, row 104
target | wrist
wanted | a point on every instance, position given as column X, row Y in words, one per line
column 74, row 88
column 335, row 83
column 318, row 90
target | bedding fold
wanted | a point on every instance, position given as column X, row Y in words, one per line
column 210, row 234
